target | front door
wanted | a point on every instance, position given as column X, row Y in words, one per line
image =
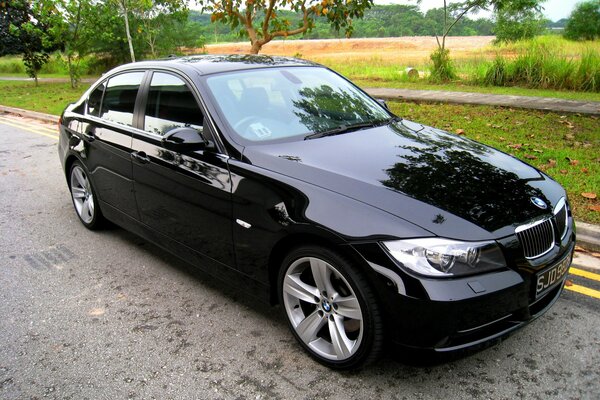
column 185, row 196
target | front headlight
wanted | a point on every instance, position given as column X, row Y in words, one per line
column 446, row 258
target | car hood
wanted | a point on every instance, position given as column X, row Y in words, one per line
column 449, row 185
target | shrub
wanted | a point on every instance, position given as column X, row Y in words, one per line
column 442, row 69
column 495, row 75
column 588, row 73
column 539, row 64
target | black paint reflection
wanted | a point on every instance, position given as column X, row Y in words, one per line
column 202, row 171
column 243, row 59
column 322, row 108
column 453, row 175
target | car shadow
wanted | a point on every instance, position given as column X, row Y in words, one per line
column 411, row 362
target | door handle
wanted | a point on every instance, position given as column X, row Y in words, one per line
column 140, row 156
column 89, row 136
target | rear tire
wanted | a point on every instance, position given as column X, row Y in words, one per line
column 84, row 197
column 330, row 307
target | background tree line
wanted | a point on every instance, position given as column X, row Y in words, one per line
column 114, row 31
column 119, row 31
column 378, row 21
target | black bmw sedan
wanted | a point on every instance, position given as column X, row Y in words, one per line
column 288, row 182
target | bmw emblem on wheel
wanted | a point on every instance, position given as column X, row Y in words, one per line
column 539, row 203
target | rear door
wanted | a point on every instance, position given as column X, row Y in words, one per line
column 185, row 196
column 107, row 133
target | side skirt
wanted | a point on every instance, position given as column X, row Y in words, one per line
column 230, row 276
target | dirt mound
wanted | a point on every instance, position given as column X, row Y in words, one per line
column 407, row 48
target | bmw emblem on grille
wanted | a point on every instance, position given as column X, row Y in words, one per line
column 539, row 203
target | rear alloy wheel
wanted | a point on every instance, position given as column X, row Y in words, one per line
column 83, row 196
column 330, row 308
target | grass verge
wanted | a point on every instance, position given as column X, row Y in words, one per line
column 566, row 147
column 48, row 97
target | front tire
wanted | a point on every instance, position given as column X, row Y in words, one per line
column 330, row 307
column 84, row 197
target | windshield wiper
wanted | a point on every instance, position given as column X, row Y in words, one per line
column 343, row 129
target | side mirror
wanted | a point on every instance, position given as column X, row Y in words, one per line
column 185, row 139
column 383, row 103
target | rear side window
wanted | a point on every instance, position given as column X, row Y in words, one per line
column 170, row 105
column 119, row 97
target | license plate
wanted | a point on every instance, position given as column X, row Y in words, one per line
column 547, row 279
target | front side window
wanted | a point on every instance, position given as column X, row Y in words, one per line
column 95, row 100
column 170, row 105
column 277, row 103
column 119, row 98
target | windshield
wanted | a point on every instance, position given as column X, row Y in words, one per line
column 276, row 103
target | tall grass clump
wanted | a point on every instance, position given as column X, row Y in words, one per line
column 495, row 75
column 442, row 69
column 543, row 64
column 588, row 72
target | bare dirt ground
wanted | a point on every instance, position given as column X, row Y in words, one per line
column 413, row 48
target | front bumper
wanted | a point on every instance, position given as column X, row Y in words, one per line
column 455, row 314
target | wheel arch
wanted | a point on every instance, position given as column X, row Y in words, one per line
column 287, row 243
column 71, row 158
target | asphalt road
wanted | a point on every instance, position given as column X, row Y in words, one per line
column 86, row 315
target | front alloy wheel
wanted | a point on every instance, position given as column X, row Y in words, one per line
column 330, row 308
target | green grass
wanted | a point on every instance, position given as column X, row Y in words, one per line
column 545, row 136
column 536, row 137
column 55, row 67
column 569, row 48
column 48, row 97
column 10, row 65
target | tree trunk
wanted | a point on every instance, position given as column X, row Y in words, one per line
column 151, row 42
column 71, row 72
column 127, row 31
column 256, row 46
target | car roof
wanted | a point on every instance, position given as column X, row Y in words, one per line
column 213, row 63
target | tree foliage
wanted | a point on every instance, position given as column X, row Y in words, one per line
column 14, row 13
column 158, row 18
column 513, row 25
column 148, row 20
column 584, row 22
column 264, row 20
column 78, row 28
column 75, row 23
column 392, row 20
column 26, row 29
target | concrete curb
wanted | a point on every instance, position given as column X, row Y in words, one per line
column 588, row 235
column 52, row 119
column 528, row 102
